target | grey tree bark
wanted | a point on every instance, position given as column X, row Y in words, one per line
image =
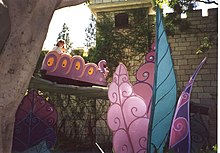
column 24, row 29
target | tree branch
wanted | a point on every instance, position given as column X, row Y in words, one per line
column 65, row 3
column 5, row 2
column 208, row 2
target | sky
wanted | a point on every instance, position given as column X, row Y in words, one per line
column 77, row 19
column 200, row 5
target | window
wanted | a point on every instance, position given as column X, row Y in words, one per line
column 121, row 20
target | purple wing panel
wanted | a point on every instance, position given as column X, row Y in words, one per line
column 180, row 129
column 34, row 122
column 126, row 116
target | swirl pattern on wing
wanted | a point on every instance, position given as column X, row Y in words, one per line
column 150, row 57
column 121, row 88
column 180, row 130
column 116, row 122
column 184, row 98
column 180, row 139
column 34, row 122
column 45, row 111
column 121, row 143
column 127, row 115
column 145, row 79
column 132, row 111
column 139, row 135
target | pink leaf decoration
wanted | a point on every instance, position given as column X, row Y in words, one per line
column 140, row 135
column 122, row 146
column 127, row 115
column 133, row 108
column 145, row 79
column 115, row 118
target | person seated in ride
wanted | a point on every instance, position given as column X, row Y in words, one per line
column 60, row 47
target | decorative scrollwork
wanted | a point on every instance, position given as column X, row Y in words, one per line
column 179, row 131
column 34, row 123
column 127, row 115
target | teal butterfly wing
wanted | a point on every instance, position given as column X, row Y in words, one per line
column 164, row 92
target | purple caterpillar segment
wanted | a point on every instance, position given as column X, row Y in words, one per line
column 99, row 79
column 89, row 72
column 66, row 66
column 50, row 61
column 77, row 68
column 102, row 67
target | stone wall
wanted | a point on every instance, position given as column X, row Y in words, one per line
column 184, row 46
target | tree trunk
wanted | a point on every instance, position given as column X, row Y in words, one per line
column 5, row 28
column 29, row 25
column 20, row 48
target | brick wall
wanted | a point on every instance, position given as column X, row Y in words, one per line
column 184, row 46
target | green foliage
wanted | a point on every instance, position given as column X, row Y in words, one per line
column 171, row 151
column 64, row 34
column 179, row 6
column 104, row 44
column 113, row 43
column 205, row 46
column 215, row 148
column 172, row 21
column 161, row 2
column 77, row 52
column 39, row 64
column 182, row 6
column 206, row 150
column 209, row 150
column 91, row 33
